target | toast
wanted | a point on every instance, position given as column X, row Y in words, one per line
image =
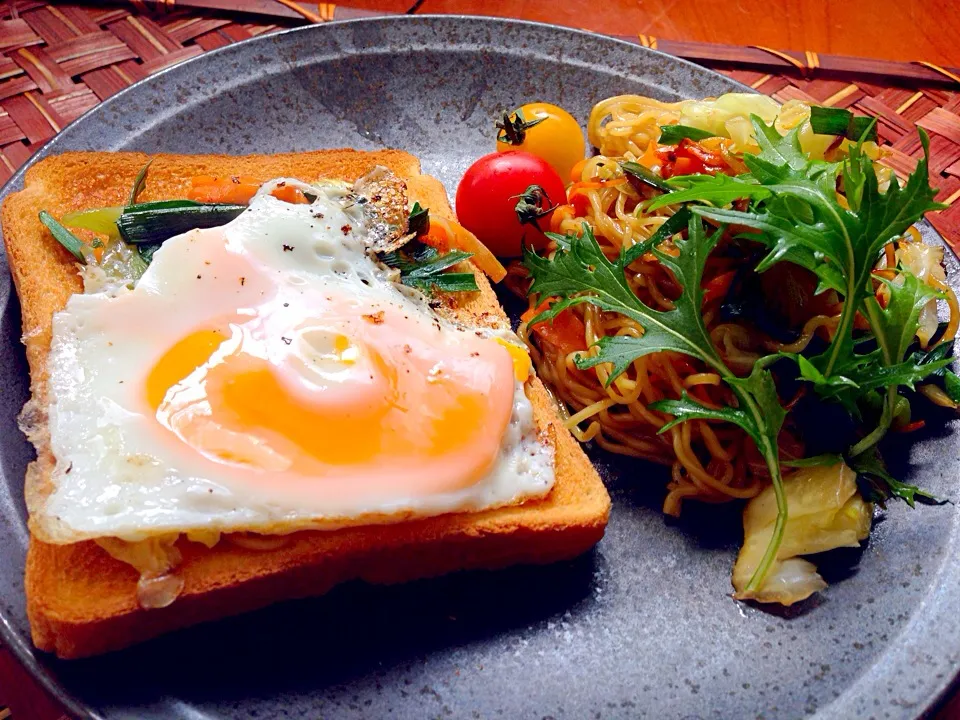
column 81, row 601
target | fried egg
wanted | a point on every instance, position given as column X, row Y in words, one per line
column 269, row 376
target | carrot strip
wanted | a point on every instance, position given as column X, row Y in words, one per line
column 576, row 172
column 237, row 189
column 290, row 194
column 566, row 332
column 559, row 215
column 447, row 235
column 718, row 287
column 650, row 159
column 912, row 427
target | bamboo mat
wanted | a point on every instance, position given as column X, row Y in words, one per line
column 58, row 60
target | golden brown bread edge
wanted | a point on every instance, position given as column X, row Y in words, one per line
column 81, row 601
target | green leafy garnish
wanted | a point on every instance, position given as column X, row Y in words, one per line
column 951, row 385
column 63, row 236
column 425, row 268
column 716, row 189
column 673, row 134
column 800, row 218
column 579, row 272
column 837, row 121
column 878, row 485
column 419, row 220
column 795, row 208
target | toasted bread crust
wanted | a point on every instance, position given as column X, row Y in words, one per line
column 81, row 601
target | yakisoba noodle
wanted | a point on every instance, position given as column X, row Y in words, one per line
column 712, row 462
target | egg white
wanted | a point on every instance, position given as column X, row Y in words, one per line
column 114, row 475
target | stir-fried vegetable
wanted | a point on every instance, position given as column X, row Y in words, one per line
column 672, row 134
column 800, row 218
column 831, row 218
column 136, row 231
column 156, row 222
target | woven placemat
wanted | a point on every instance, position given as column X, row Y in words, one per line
column 58, row 60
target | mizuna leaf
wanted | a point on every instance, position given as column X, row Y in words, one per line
column 717, row 189
column 884, row 486
column 686, row 408
column 582, row 273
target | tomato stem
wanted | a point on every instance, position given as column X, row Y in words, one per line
column 513, row 130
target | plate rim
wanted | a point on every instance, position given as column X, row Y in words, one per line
column 23, row 651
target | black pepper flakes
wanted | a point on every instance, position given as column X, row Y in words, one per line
column 243, row 281
column 286, row 340
column 288, row 248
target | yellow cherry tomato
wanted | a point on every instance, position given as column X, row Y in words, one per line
column 545, row 130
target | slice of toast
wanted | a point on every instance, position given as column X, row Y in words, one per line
column 81, row 601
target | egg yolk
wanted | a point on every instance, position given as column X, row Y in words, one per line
column 522, row 365
column 179, row 361
column 380, row 398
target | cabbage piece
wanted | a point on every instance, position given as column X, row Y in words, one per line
column 713, row 114
column 926, row 263
column 824, row 512
column 729, row 116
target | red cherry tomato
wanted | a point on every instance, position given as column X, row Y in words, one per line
column 488, row 195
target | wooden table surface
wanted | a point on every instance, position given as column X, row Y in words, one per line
column 889, row 29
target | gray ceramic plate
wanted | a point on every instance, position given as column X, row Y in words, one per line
column 643, row 626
